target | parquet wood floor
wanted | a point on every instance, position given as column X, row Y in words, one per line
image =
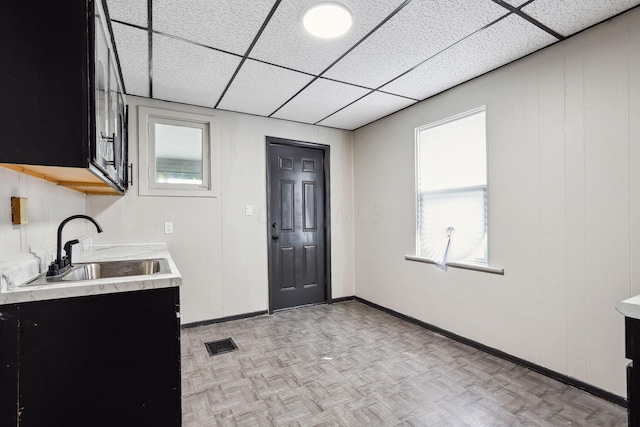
column 348, row 364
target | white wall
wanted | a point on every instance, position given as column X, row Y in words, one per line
column 564, row 189
column 221, row 253
column 47, row 205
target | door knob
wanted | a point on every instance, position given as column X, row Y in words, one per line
column 274, row 234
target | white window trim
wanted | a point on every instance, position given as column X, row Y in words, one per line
column 146, row 149
column 484, row 266
column 462, row 265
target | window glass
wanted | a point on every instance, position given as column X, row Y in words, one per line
column 453, row 154
column 452, row 189
column 179, row 153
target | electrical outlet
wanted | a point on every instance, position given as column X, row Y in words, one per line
column 248, row 210
column 168, row 227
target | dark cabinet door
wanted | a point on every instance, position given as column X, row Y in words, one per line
column 108, row 360
column 8, row 365
column 632, row 351
column 62, row 92
column 109, row 144
column 44, row 83
column 102, row 144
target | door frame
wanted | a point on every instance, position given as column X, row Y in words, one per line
column 327, row 210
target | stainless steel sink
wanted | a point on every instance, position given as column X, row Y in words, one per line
column 107, row 269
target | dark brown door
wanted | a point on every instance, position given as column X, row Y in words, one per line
column 296, row 221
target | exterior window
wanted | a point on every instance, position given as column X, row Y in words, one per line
column 451, row 182
column 176, row 153
column 179, row 155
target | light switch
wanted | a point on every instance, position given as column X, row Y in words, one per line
column 168, row 227
column 248, row 210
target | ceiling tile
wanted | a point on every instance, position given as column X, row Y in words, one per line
column 184, row 72
column 320, row 99
column 503, row 42
column 130, row 11
column 225, row 25
column 132, row 45
column 419, row 31
column 285, row 41
column 570, row 16
column 366, row 110
column 260, row 88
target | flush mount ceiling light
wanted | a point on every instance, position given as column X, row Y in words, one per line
column 327, row 20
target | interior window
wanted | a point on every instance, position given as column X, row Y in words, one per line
column 176, row 153
column 451, row 177
column 180, row 151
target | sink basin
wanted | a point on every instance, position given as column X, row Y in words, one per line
column 109, row 269
column 104, row 270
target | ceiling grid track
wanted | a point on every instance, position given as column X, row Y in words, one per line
column 511, row 9
column 366, row 36
column 246, row 55
column 348, row 105
column 194, row 43
column 345, row 74
column 413, row 68
column 518, row 11
column 128, row 24
column 226, row 52
column 442, row 51
column 150, row 36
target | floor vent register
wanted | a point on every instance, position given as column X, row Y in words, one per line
column 220, row 347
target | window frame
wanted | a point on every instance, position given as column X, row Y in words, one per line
column 147, row 118
column 474, row 264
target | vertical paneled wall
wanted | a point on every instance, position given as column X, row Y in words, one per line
column 47, row 204
column 221, row 252
column 564, row 199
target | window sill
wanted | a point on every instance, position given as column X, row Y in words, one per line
column 462, row 265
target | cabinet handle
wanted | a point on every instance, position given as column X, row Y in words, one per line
column 109, row 140
column 131, row 174
column 112, row 141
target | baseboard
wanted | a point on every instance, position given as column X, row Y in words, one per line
column 247, row 315
column 223, row 319
column 343, row 299
column 603, row 394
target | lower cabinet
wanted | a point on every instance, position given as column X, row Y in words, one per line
column 8, row 365
column 103, row 360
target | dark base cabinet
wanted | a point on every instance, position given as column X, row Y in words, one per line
column 8, row 365
column 105, row 360
column 632, row 351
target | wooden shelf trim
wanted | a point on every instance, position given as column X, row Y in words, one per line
column 77, row 179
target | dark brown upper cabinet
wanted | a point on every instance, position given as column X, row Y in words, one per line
column 62, row 105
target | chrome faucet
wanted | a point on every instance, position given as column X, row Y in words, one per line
column 61, row 264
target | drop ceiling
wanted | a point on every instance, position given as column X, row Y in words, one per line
column 253, row 56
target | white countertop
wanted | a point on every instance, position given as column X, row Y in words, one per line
column 630, row 307
column 56, row 290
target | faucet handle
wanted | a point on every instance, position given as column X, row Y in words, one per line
column 67, row 249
